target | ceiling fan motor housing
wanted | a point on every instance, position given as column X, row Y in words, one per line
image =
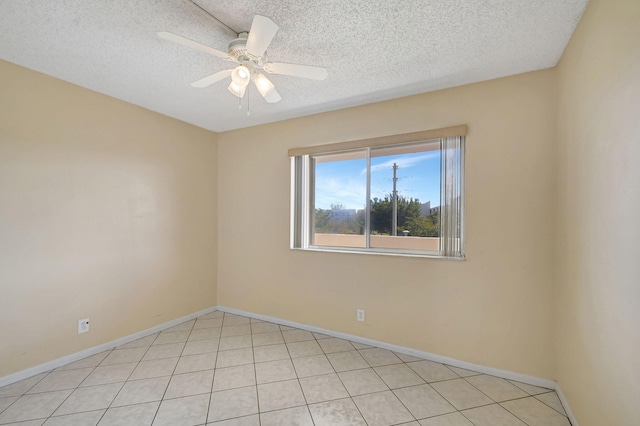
column 238, row 48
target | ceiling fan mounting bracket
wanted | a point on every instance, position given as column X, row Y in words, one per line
column 238, row 51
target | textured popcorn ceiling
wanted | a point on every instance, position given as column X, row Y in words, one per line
column 373, row 49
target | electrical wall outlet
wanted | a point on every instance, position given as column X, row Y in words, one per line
column 83, row 325
column 361, row 315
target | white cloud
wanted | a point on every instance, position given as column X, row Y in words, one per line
column 403, row 162
column 350, row 193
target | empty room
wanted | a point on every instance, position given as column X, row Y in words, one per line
column 254, row 213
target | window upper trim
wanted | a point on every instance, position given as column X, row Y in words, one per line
column 423, row 135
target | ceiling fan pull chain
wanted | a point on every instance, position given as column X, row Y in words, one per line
column 248, row 102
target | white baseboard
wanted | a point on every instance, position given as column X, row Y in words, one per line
column 545, row 383
column 59, row 362
column 565, row 405
column 505, row 374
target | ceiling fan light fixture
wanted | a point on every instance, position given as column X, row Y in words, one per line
column 241, row 76
column 273, row 97
column 263, row 84
column 236, row 89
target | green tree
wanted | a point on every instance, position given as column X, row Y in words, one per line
column 409, row 218
column 424, row 227
column 322, row 219
column 382, row 214
column 326, row 222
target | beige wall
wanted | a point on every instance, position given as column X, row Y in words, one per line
column 598, row 223
column 107, row 211
column 110, row 211
column 493, row 309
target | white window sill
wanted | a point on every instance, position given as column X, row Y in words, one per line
column 377, row 252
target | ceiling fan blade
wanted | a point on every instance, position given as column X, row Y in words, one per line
column 213, row 78
column 273, row 96
column 193, row 44
column 295, row 70
column 261, row 33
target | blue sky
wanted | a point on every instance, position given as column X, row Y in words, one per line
column 344, row 182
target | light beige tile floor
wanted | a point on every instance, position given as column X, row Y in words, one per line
column 229, row 370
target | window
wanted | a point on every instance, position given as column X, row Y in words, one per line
column 402, row 194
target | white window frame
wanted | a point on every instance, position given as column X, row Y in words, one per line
column 452, row 232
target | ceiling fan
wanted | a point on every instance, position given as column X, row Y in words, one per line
column 249, row 51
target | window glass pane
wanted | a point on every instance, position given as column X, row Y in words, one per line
column 413, row 221
column 339, row 198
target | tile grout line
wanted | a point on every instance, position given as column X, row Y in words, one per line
column 206, row 420
column 443, row 397
column 545, row 393
column 128, row 377
column 349, row 393
column 25, row 392
column 255, row 373
column 72, row 391
column 526, row 397
column 391, row 390
column 174, row 369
